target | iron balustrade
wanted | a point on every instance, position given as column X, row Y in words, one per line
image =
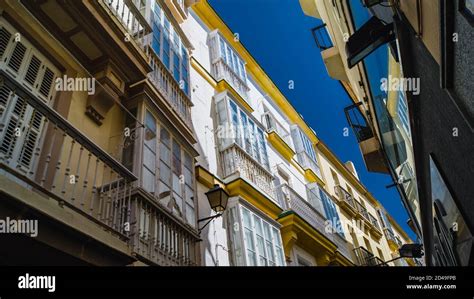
column 366, row 258
column 358, row 123
column 362, row 210
column 133, row 21
column 308, row 163
column 374, row 221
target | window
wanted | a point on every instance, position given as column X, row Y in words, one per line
column 167, row 170
column 244, row 131
column 169, row 47
column 379, row 251
column 262, row 244
column 335, row 177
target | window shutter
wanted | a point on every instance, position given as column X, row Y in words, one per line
column 31, row 140
column 5, row 36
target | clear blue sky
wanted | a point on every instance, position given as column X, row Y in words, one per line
column 277, row 34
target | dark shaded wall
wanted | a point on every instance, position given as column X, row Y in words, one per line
column 436, row 114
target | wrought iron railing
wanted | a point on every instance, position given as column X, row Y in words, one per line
column 273, row 125
column 321, row 37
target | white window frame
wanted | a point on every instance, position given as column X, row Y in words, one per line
column 238, row 231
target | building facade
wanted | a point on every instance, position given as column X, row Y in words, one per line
column 116, row 119
column 412, row 112
column 279, row 175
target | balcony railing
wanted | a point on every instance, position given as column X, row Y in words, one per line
column 307, row 163
column 163, row 80
column 291, row 200
column 273, row 125
column 133, row 21
column 159, row 237
column 321, row 37
column 66, row 165
column 220, row 70
column 390, row 236
column 345, row 197
column 236, row 160
column 366, row 258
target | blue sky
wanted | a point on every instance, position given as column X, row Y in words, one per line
column 277, row 34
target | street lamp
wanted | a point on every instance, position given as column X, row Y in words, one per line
column 217, row 198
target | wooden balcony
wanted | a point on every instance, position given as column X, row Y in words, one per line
column 291, row 200
column 346, row 201
column 312, row 171
column 159, row 237
column 170, row 90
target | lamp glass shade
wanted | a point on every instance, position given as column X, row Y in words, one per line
column 217, row 198
column 411, row 250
